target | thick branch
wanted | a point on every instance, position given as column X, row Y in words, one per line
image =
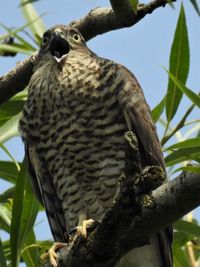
column 17, row 79
column 124, row 228
column 102, row 20
column 97, row 21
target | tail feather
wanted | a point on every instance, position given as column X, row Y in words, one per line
column 46, row 193
column 145, row 256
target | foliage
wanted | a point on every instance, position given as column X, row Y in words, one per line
column 18, row 206
column 134, row 4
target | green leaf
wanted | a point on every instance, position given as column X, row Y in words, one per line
column 182, row 123
column 187, row 227
column 179, row 64
column 21, row 96
column 43, row 245
column 188, row 92
column 31, row 14
column 30, row 252
column 5, row 214
column 6, row 195
column 28, row 1
column 195, row 5
column 8, row 171
column 158, row 110
column 4, row 226
column 182, row 155
column 9, row 155
column 25, row 209
column 13, row 33
column 134, row 5
column 14, row 48
column 2, row 256
column 190, row 143
column 30, row 210
column 10, row 108
column 170, row 3
column 180, row 239
column 180, row 258
column 9, row 129
column 7, row 251
column 194, row 169
column 17, row 210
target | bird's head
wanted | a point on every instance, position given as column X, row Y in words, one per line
column 59, row 41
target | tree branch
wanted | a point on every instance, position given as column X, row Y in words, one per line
column 136, row 214
column 97, row 21
column 17, row 79
column 129, row 224
column 102, row 20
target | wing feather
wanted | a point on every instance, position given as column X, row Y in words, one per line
column 139, row 120
column 138, row 117
column 46, row 193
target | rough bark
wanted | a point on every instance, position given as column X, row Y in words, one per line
column 130, row 223
column 17, row 79
column 97, row 21
column 141, row 209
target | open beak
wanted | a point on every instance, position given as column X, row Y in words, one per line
column 59, row 47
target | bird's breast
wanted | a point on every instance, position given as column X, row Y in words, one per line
column 74, row 115
column 78, row 127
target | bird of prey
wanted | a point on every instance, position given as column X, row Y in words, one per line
column 78, row 109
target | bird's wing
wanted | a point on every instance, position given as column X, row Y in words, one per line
column 138, row 117
column 46, row 193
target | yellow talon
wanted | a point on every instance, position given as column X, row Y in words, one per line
column 52, row 253
column 82, row 230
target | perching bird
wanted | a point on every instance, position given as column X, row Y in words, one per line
column 78, row 109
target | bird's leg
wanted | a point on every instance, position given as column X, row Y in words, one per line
column 79, row 231
column 52, row 255
column 52, row 252
column 82, row 229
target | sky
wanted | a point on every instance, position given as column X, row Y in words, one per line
column 143, row 48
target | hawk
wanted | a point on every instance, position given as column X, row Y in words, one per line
column 78, row 109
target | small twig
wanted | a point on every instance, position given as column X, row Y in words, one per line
column 189, row 246
column 191, row 255
column 192, row 122
column 179, row 125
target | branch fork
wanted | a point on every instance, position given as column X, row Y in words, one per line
column 106, row 241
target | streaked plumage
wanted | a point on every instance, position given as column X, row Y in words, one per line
column 79, row 107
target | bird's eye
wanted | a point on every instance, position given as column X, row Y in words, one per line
column 45, row 40
column 76, row 37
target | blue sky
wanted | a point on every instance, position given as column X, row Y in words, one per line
column 144, row 48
